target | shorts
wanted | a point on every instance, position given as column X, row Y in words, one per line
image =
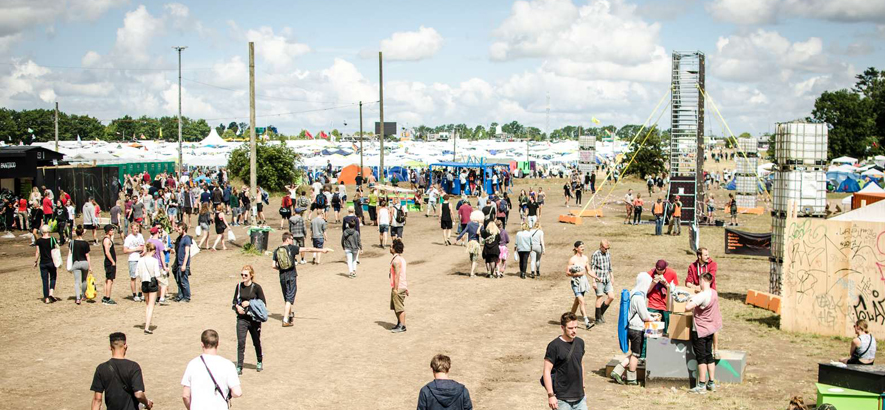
column 150, row 287
column 132, row 269
column 703, row 348
column 110, row 272
column 445, row 224
column 383, row 228
column 318, row 242
column 260, row 207
column 315, row 206
column 710, row 208
column 396, row 231
column 289, row 285
column 636, row 338
column 397, row 300
column 604, row 288
column 204, row 228
column 299, row 241
column 337, row 208
column 88, row 227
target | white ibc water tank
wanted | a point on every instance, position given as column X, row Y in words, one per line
column 778, row 227
column 746, row 184
column 747, row 166
column 587, row 142
column 749, row 146
column 745, row 201
column 800, row 143
column 806, row 188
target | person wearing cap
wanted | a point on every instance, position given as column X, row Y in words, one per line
column 675, row 217
column 662, row 278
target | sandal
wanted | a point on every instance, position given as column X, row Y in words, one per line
column 47, row 301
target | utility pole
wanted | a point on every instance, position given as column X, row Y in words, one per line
column 362, row 177
column 180, row 157
column 253, row 182
column 56, row 126
column 454, row 146
column 381, row 104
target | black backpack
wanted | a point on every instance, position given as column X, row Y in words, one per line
column 400, row 216
column 321, row 199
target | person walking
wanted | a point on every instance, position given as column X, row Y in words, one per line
column 399, row 287
column 398, row 216
column 523, row 248
column 503, row 252
column 373, row 205
column 601, row 263
column 658, row 211
column 563, row 376
column 298, row 230
column 43, row 258
column 318, row 234
column 210, row 381
column 119, row 380
column 628, row 203
column 352, row 245
column 204, row 219
column 472, row 232
column 732, row 210
column 181, row 269
column 578, row 269
column 81, row 265
column 60, row 213
column 464, row 211
column 148, row 269
column 675, row 227
column 567, row 192
column 248, row 292
column 491, row 252
column 446, row 220
column 284, row 258
column 110, row 264
column 134, row 246
column 383, row 221
column 707, row 322
column 637, row 209
column 220, row 227
column 89, row 218
column 532, row 208
column 443, row 393
column 539, row 247
column 638, row 314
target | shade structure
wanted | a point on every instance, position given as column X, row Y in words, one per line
column 348, row 174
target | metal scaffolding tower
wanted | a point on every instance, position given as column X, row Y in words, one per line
column 687, row 133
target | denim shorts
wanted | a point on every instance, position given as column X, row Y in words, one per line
column 383, row 228
column 318, row 242
column 132, row 269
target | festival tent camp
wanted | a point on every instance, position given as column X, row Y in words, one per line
column 213, row 139
column 348, row 174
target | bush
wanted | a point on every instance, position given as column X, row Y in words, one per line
column 276, row 165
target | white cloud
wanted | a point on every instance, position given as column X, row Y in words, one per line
column 18, row 16
column 762, row 54
column 409, row 45
column 278, row 49
column 769, row 11
column 134, row 38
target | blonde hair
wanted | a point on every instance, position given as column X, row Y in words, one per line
column 251, row 271
column 862, row 325
column 492, row 228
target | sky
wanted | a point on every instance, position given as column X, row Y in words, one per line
column 455, row 61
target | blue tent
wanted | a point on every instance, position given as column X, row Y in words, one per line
column 848, row 185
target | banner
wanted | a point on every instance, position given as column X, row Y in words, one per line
column 747, row 243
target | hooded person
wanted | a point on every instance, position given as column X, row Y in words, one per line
column 638, row 315
column 443, row 393
column 350, row 241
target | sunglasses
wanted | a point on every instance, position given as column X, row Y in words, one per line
column 245, row 275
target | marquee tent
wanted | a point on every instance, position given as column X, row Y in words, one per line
column 213, row 140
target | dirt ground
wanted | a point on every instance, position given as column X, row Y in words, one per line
column 340, row 353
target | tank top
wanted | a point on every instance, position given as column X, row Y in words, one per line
column 109, row 262
column 709, row 320
column 402, row 275
column 867, row 349
column 446, row 213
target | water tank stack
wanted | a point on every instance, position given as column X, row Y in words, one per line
column 586, row 153
column 746, row 182
column 800, row 157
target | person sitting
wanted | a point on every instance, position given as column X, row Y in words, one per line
column 863, row 347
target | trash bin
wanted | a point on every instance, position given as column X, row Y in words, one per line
column 258, row 238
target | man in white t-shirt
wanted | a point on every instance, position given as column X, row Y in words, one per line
column 317, row 189
column 133, row 245
column 200, row 391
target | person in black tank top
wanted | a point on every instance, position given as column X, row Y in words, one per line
column 110, row 263
column 445, row 220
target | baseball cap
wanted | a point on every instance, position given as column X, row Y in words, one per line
column 578, row 243
column 108, row 228
column 155, row 229
column 661, row 265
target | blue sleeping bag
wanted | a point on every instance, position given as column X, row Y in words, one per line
column 623, row 320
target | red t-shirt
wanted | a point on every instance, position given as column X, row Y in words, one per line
column 47, row 206
column 657, row 297
column 287, row 201
column 464, row 212
column 22, row 205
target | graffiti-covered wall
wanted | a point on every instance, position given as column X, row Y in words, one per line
column 834, row 274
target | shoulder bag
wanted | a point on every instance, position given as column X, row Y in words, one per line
column 55, row 253
column 218, row 389
column 568, row 356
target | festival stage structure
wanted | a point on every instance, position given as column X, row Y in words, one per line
column 687, row 133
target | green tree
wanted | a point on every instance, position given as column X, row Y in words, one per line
column 220, row 129
column 493, row 128
column 229, row 134
column 234, row 127
column 629, row 131
column 649, row 157
column 851, row 120
column 276, row 165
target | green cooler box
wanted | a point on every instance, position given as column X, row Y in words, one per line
column 846, row 398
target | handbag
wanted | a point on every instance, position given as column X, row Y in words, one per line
column 70, row 265
column 56, row 253
column 199, row 230
column 230, row 236
column 91, row 291
column 194, row 250
column 218, row 389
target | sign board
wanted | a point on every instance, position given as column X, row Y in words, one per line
column 833, row 275
column 389, row 128
column 747, row 243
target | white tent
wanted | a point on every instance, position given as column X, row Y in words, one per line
column 213, row 139
column 871, row 188
column 870, row 213
column 844, row 161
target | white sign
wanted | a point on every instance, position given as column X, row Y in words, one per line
column 7, row 165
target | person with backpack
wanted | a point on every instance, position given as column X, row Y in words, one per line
column 638, row 315
column 284, row 258
column 118, row 381
column 563, row 376
column 248, row 293
column 398, row 219
column 318, row 234
column 285, row 209
column 319, row 204
column 298, row 230
column 336, row 206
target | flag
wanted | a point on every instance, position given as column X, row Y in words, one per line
column 78, row 137
column 595, row 121
column 309, row 136
column 161, row 133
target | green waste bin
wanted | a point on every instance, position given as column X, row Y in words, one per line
column 258, row 237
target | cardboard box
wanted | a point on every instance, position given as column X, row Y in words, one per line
column 673, row 299
column 654, row 329
column 680, row 326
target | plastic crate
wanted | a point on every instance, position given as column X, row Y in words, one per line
column 587, row 142
column 745, row 201
column 778, row 237
column 747, row 166
column 749, row 146
column 585, row 167
column 746, row 184
column 775, row 276
column 799, row 143
column 807, row 189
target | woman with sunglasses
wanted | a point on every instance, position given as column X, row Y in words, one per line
column 246, row 291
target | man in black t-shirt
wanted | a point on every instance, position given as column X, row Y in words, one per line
column 532, row 212
column 119, row 380
column 564, row 369
column 288, row 276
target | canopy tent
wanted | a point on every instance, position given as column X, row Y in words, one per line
column 871, row 189
column 844, row 161
column 485, row 175
column 213, row 139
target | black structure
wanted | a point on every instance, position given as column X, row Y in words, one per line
column 81, row 183
column 389, row 128
column 687, row 133
column 19, row 164
column 866, row 378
